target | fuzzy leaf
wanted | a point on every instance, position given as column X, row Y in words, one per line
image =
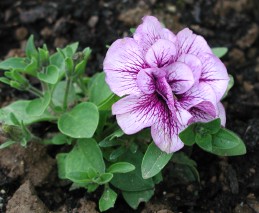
column 154, row 161
column 80, row 122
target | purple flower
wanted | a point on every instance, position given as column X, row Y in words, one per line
column 169, row 81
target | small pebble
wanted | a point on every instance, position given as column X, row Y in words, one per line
column 21, row 33
column 2, row 191
column 93, row 20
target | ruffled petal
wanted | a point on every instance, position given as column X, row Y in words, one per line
column 165, row 135
column 134, row 113
column 194, row 63
column 214, row 73
column 198, row 94
column 148, row 32
column 122, row 63
column 188, row 42
column 161, row 53
column 145, row 81
column 180, row 77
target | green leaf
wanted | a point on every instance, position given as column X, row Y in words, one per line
column 7, row 144
column 109, row 140
column 80, row 67
column 58, row 94
column 154, row 161
column 204, row 141
column 121, row 167
column 51, row 76
column 32, row 67
column 69, row 66
column 107, row 103
column 30, row 48
column 107, row 199
column 60, row 139
column 80, row 122
column 98, row 89
column 219, row 51
column 211, row 127
column 58, row 60
column 85, row 155
column 18, row 108
column 135, row 198
column 103, row 178
column 38, row 106
column 227, row 143
column 43, row 55
column 117, row 153
column 73, row 47
column 132, row 181
column 4, row 80
column 79, row 177
column 188, row 135
column 230, row 85
column 13, row 63
column 61, row 162
column 132, row 30
column 185, row 168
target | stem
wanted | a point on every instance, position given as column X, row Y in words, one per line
column 34, row 91
column 82, row 85
column 69, row 81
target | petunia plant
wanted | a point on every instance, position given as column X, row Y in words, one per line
column 165, row 90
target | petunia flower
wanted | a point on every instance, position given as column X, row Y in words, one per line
column 166, row 82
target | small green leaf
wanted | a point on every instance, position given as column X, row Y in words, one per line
column 219, row 51
column 85, row 155
column 13, row 63
column 4, row 80
column 107, row 103
column 38, row 106
column 227, row 143
column 204, row 141
column 18, row 108
column 121, row 167
column 69, row 66
column 230, row 85
column 98, row 89
column 107, row 199
column 14, row 119
column 188, row 135
column 184, row 168
column 30, row 48
column 78, row 177
column 7, row 144
column 211, row 127
column 43, row 56
column 80, row 122
column 32, row 67
column 132, row 181
column 60, row 139
column 73, row 47
column 135, row 198
column 154, row 161
column 58, row 94
column 80, row 67
column 132, row 30
column 117, row 153
column 103, row 178
column 61, row 162
column 51, row 76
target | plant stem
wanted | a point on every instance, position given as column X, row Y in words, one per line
column 69, row 81
column 34, row 91
column 81, row 85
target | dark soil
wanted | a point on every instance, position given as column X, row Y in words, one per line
column 28, row 181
